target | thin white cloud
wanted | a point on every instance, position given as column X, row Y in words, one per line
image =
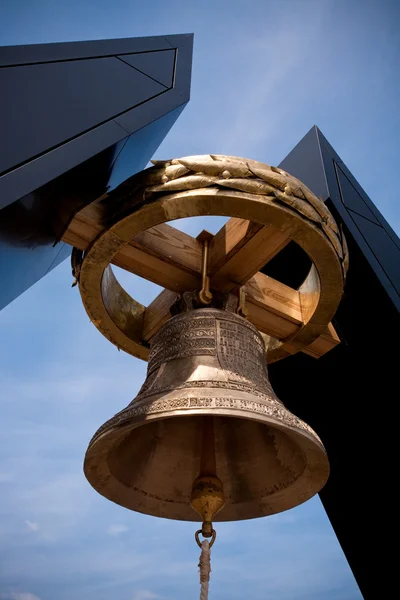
column 32, row 525
column 117, row 529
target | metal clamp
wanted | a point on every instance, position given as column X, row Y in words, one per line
column 204, row 295
column 214, row 535
column 76, row 264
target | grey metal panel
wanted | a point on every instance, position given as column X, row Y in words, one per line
column 384, row 249
column 24, row 180
column 352, row 199
column 42, row 106
column 314, row 161
column 345, row 215
column 42, row 195
column 158, row 65
column 27, row 248
column 27, row 233
column 140, row 146
column 181, row 40
column 341, row 394
column 64, row 251
column 305, row 163
column 331, row 161
column 49, row 165
column 17, row 55
column 178, row 95
column 383, row 255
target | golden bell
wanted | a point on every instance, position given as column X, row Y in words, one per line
column 206, row 363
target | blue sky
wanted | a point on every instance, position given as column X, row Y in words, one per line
column 263, row 73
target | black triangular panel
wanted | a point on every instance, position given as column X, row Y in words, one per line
column 157, row 65
column 383, row 247
column 305, row 163
column 75, row 119
column 352, row 199
column 58, row 101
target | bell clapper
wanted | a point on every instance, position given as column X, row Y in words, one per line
column 207, row 496
column 207, row 499
column 205, row 296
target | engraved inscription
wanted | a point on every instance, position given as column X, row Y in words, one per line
column 241, row 354
column 155, row 388
column 239, row 365
column 274, row 410
column 190, row 348
column 183, row 336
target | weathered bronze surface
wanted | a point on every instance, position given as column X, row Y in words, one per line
column 206, row 362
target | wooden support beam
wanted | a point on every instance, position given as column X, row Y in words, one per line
column 325, row 342
column 272, row 307
column 172, row 246
column 163, row 254
column 281, row 300
column 229, row 240
column 172, row 259
column 157, row 313
column 239, row 250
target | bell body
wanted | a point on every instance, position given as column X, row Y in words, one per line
column 206, row 362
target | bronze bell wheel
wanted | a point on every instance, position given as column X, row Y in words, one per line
column 268, row 208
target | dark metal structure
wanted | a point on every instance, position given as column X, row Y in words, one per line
column 343, row 394
column 77, row 119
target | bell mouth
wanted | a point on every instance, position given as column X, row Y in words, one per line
column 149, row 465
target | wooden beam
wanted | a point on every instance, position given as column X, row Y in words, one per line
column 157, row 313
column 172, row 246
column 281, row 300
column 229, row 240
column 325, row 342
column 172, row 259
column 278, row 315
column 163, row 254
column 239, row 250
column 166, row 274
column 273, row 307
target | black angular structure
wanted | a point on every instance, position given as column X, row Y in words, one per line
column 344, row 395
column 76, row 120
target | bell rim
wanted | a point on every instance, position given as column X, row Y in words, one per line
column 302, row 489
column 142, row 418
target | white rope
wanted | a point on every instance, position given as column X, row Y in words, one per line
column 205, row 569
